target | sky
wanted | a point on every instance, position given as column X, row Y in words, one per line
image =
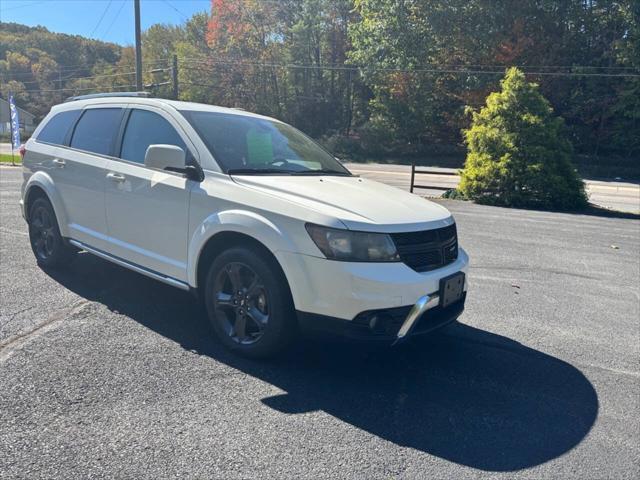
column 108, row 20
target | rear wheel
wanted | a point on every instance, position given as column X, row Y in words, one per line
column 47, row 244
column 249, row 304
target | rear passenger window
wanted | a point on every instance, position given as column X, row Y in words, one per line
column 56, row 129
column 146, row 128
column 96, row 130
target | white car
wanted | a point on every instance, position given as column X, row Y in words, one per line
column 272, row 231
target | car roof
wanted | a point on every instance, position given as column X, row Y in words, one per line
column 73, row 104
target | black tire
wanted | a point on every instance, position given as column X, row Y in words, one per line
column 48, row 246
column 264, row 301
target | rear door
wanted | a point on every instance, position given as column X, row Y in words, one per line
column 78, row 171
column 148, row 209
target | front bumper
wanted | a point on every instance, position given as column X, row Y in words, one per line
column 383, row 302
column 343, row 290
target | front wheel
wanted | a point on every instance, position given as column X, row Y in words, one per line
column 47, row 244
column 249, row 304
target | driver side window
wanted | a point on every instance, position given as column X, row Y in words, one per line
column 146, row 128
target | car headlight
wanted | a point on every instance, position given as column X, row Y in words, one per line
column 349, row 246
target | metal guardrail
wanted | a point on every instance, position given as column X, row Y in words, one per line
column 414, row 171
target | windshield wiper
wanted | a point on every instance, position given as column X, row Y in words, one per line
column 279, row 171
column 323, row 171
column 258, row 171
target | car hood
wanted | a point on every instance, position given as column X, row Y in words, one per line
column 360, row 204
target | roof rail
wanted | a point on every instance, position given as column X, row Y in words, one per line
column 109, row 95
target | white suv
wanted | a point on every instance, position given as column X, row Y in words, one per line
column 273, row 232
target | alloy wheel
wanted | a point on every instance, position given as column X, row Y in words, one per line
column 43, row 233
column 241, row 303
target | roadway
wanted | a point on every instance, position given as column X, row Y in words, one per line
column 617, row 195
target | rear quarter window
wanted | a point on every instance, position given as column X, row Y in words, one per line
column 55, row 131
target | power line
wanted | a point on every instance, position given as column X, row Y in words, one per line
column 196, row 84
column 155, row 70
column 104, row 34
column 159, row 70
column 423, row 67
column 87, row 78
column 78, row 68
column 205, row 60
column 199, row 65
column 104, row 12
column 71, row 89
column 460, row 70
column 174, row 8
column 23, row 6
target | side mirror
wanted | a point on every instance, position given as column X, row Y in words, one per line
column 165, row 157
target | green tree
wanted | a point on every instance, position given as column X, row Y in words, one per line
column 406, row 50
column 251, row 43
column 393, row 75
column 518, row 154
column 409, row 51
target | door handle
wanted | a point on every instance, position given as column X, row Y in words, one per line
column 58, row 162
column 116, row 177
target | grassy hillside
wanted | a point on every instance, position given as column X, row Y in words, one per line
column 35, row 64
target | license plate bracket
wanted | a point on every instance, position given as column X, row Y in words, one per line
column 451, row 289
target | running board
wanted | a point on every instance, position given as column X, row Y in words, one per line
column 131, row 266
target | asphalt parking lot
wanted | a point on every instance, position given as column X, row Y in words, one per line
column 105, row 373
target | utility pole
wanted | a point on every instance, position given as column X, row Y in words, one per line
column 174, row 77
column 60, row 85
column 136, row 6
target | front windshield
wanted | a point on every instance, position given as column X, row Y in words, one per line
column 250, row 145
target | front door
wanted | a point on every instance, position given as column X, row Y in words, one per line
column 147, row 209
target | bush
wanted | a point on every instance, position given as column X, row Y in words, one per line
column 454, row 194
column 377, row 138
column 518, row 154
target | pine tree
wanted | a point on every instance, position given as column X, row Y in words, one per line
column 518, row 154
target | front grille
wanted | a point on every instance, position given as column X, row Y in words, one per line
column 428, row 249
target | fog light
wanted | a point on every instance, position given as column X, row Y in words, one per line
column 380, row 322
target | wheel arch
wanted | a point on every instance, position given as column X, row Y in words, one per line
column 221, row 241
column 34, row 192
column 40, row 185
column 246, row 227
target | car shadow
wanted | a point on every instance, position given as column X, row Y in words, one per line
column 465, row 395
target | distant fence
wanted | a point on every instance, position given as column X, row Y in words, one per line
column 415, row 172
